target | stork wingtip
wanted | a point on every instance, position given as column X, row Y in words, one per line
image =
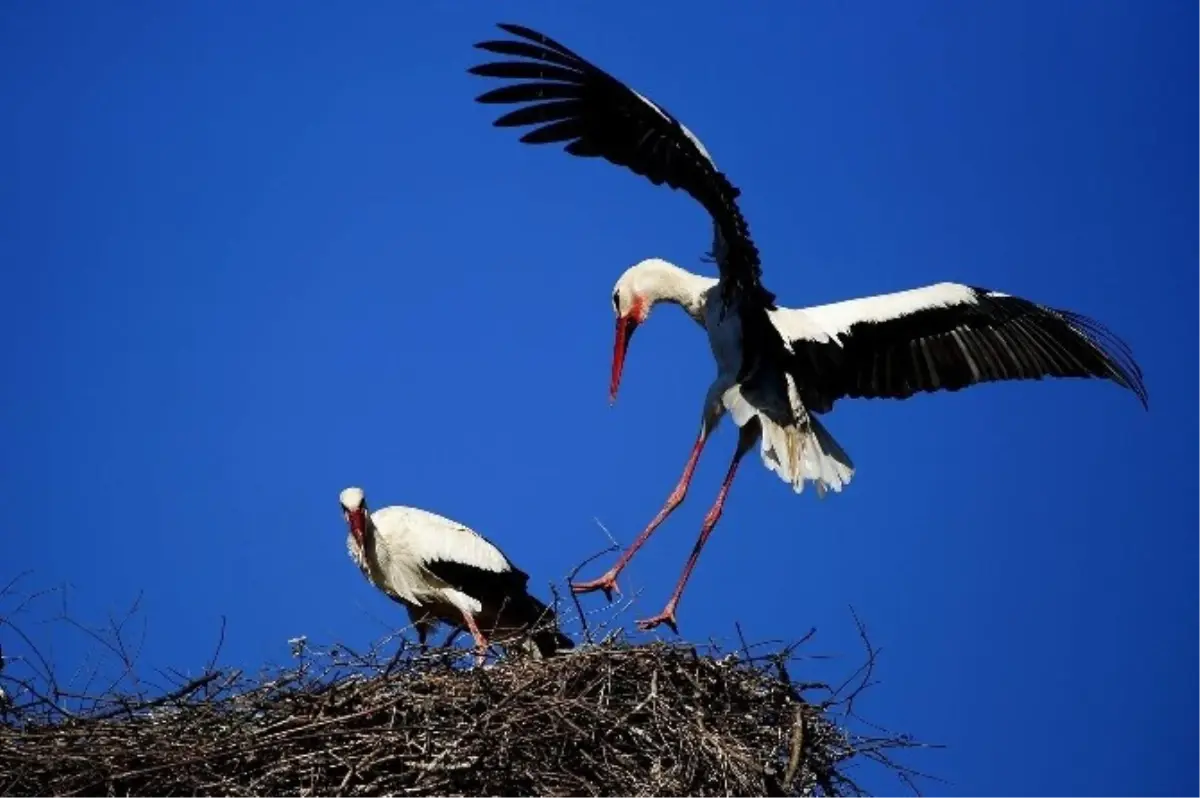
column 511, row 27
column 1139, row 390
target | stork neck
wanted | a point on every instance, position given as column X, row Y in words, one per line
column 365, row 555
column 680, row 287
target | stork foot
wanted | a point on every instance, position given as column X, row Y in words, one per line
column 607, row 583
column 667, row 616
column 481, row 642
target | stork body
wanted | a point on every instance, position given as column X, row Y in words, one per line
column 441, row 570
column 777, row 367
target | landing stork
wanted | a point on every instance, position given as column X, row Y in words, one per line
column 777, row 367
column 442, row 571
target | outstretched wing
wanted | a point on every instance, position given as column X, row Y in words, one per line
column 573, row 101
column 945, row 337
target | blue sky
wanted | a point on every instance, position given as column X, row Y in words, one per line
column 253, row 255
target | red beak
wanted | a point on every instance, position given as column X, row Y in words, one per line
column 358, row 522
column 625, row 327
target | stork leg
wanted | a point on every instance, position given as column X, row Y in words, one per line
column 422, row 627
column 747, row 437
column 421, row 622
column 450, row 638
column 481, row 643
column 608, row 582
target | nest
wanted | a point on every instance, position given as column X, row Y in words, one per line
column 605, row 719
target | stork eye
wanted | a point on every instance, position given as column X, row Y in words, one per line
column 617, row 299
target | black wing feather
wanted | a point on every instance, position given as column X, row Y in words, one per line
column 528, row 92
column 610, row 120
column 491, row 588
column 562, row 130
column 544, row 112
column 995, row 337
column 523, row 70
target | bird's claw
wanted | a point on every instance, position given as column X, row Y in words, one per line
column 607, row 583
column 667, row 616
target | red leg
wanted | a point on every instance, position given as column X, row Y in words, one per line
column 481, row 643
column 746, row 439
column 608, row 582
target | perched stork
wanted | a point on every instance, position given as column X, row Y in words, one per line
column 777, row 367
column 442, row 571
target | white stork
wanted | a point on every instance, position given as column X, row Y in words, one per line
column 776, row 367
column 442, row 570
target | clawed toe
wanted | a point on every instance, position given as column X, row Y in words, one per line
column 667, row 617
column 606, row 583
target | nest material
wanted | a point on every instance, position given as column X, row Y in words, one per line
column 606, row 719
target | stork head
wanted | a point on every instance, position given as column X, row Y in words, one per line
column 354, row 509
column 635, row 294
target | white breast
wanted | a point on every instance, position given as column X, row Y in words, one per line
column 395, row 575
column 387, row 567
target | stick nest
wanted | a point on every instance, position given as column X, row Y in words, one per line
column 605, row 719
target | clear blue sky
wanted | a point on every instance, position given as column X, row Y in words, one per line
column 256, row 252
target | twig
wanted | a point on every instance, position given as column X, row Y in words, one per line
column 212, row 661
column 586, row 631
column 796, row 753
column 174, row 695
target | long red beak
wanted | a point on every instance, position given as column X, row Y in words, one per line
column 625, row 327
column 358, row 522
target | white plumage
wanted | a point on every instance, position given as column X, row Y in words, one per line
column 441, row 570
column 777, row 367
